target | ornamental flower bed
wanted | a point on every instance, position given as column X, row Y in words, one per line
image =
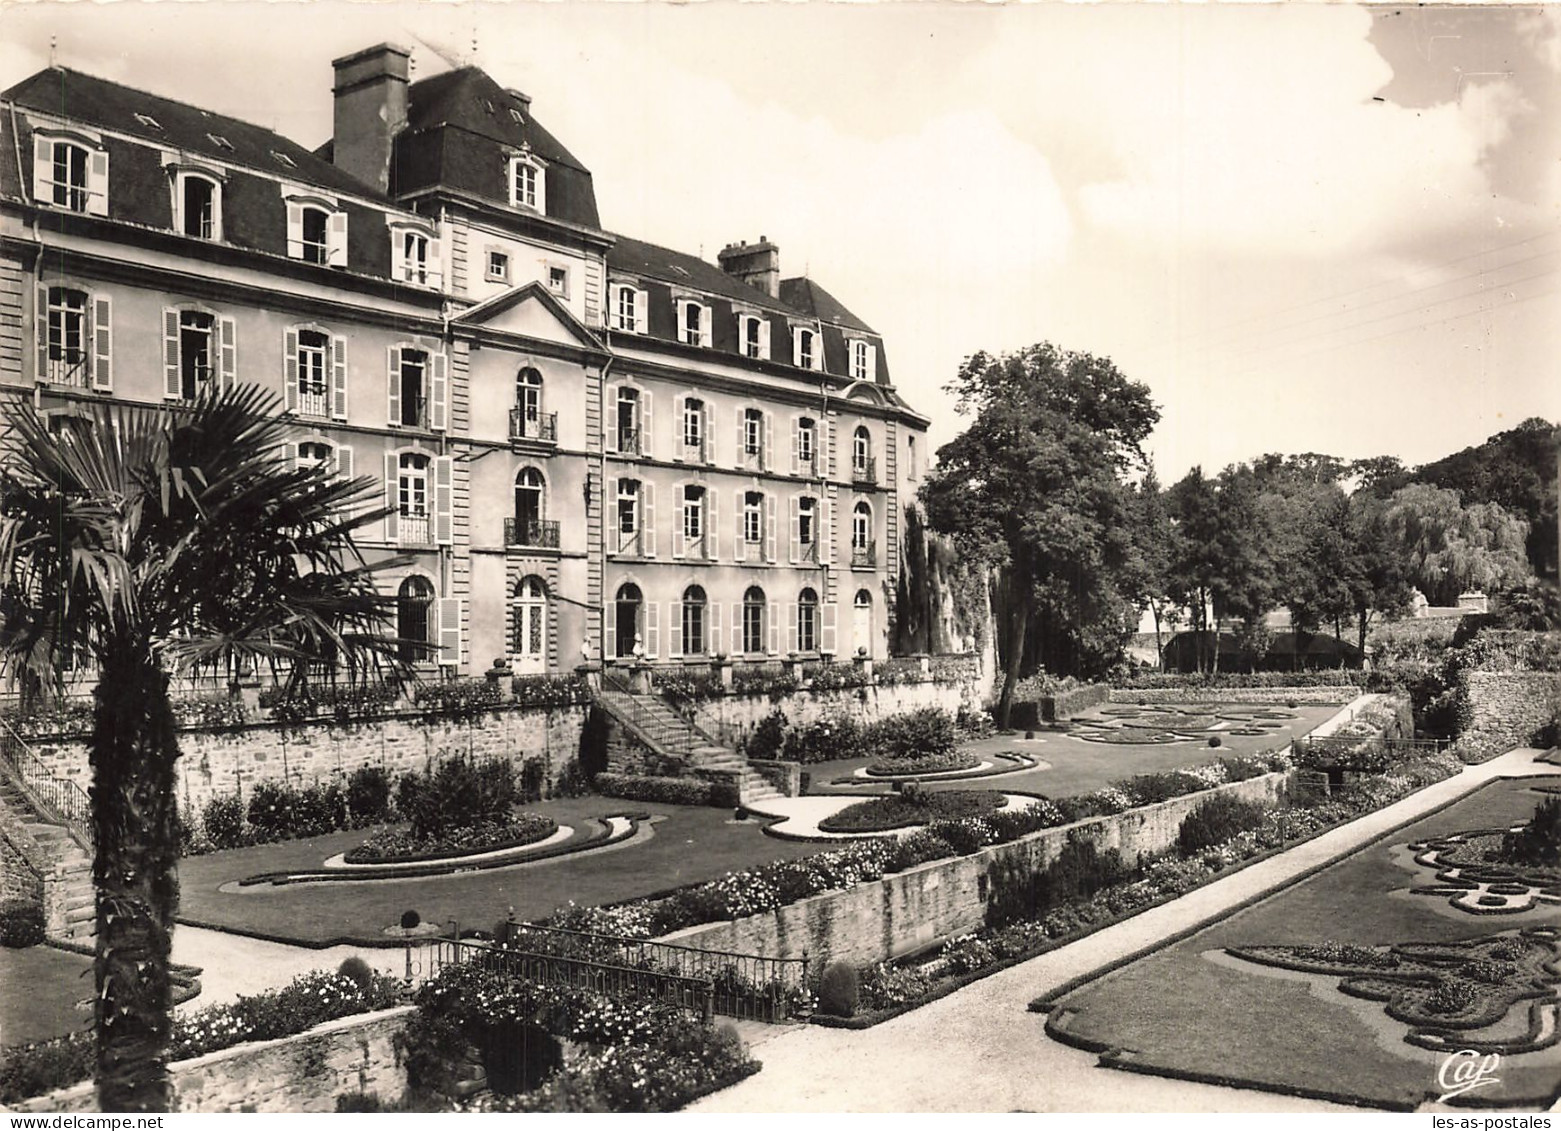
column 913, row 807
column 309, row 1000
column 402, row 845
column 926, row 764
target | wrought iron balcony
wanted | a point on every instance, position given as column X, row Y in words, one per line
column 414, row 529
column 864, row 557
column 68, row 369
column 864, row 470
column 808, row 552
column 541, row 427
column 629, row 441
column 540, row 533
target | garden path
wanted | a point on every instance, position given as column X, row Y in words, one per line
column 1006, row 1062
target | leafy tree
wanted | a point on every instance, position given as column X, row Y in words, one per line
column 1036, row 487
column 1154, row 540
column 1193, row 568
column 155, row 541
column 1447, row 547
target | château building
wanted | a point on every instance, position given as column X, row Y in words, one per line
column 589, row 444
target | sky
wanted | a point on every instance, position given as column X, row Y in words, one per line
column 1306, row 227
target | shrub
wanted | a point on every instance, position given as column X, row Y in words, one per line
column 458, row 697
column 368, row 795
column 1217, row 820
column 34, row 1069
column 409, row 920
column 769, row 737
column 668, row 791
column 358, row 972
column 270, row 809
column 1214, row 740
column 1539, row 841
column 928, row 730
column 458, row 793
column 827, row 740
column 839, row 991
column 21, row 923
column 359, row 1101
column 223, row 822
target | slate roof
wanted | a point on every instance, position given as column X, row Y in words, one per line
column 113, row 106
column 806, row 295
column 636, row 257
column 469, row 99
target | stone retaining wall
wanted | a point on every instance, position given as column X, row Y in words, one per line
column 730, row 719
column 305, row 1072
column 226, row 760
column 909, row 911
column 1308, row 696
column 1503, row 710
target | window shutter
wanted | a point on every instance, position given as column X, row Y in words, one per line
column 764, row 338
column 641, row 312
column 648, row 518
column 739, row 456
column 610, row 640
column 739, row 547
column 290, row 453
column 393, row 383
column 828, row 632
column 793, row 643
column 769, row 528
column 681, row 496
column 679, row 425
column 713, row 629
column 439, row 391
column 398, row 259
column 171, row 387
column 295, row 230
column 652, row 642
column 772, row 614
column 97, row 182
column 827, row 550
column 450, row 632
column 712, row 547
column 675, row 630
column 769, row 441
column 227, row 331
column 344, row 461
column 290, row 368
column 872, row 361
column 611, row 417
column 444, row 498
column 435, row 263
column 336, row 239
column 43, row 170
column 796, row 444
column 392, row 534
column 794, row 508
column 737, row 628
column 102, row 343
column 704, row 326
column 41, row 325
column 645, row 422
column 830, row 426
column 338, row 377
column 610, row 520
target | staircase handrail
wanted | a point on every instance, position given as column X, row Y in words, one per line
column 631, row 712
column 59, row 800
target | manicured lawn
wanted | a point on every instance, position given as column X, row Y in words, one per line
column 1191, row 1009
column 882, row 814
column 1076, row 766
column 689, row 844
column 39, row 989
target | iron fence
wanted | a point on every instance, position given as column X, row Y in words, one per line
column 60, row 799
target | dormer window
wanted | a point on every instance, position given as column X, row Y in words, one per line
column 693, row 323
column 70, row 173
column 629, row 308
column 414, row 256
column 527, row 184
column 284, row 159
column 862, row 359
column 197, row 206
column 753, row 335
column 316, row 235
column 316, row 232
column 220, row 142
column 148, row 121
column 806, row 352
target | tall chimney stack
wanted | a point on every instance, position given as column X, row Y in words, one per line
column 756, row 264
column 371, row 108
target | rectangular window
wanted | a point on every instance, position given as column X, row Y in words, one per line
column 753, row 518
column 198, row 207
column 70, row 176
column 693, row 514
column 558, row 281
column 628, row 315
column 805, row 444
column 498, row 267
column 316, row 236
column 313, row 351
column 805, row 522
column 414, row 258
column 195, row 331
column 523, row 184
column 694, row 426
column 414, row 389
column 67, row 349
column 753, row 433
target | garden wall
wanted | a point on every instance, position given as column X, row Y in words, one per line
column 300, row 1073
column 1503, row 710
column 906, row 912
column 221, row 761
column 731, row 718
column 22, row 862
column 1217, row 694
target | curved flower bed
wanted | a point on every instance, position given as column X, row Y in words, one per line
column 924, row 764
column 900, row 811
column 397, row 846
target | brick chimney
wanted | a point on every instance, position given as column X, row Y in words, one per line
column 371, row 108
column 756, row 264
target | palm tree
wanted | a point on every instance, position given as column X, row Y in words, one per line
column 157, row 541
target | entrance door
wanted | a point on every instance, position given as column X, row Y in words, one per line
column 628, row 617
column 862, row 623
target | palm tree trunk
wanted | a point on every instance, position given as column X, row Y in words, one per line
column 133, row 748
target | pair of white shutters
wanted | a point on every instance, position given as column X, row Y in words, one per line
column 649, row 629
column 712, row 626
column 742, row 549
column 710, row 531
column 645, row 520
column 766, row 440
column 225, row 347
column 645, row 404
column 436, row 375
column 97, row 338
column 335, row 233
column 769, row 629
column 96, row 203
column 823, row 531
column 442, row 489
column 336, row 362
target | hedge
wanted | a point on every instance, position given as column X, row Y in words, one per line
column 669, row 791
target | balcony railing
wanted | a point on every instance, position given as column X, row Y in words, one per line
column 694, row 450
column 864, row 470
column 864, row 557
column 541, row 427
column 808, row 552
column 414, row 413
column 699, row 549
column 629, row 543
column 752, row 458
column 414, row 529
column 541, row 533
column 629, row 441
column 313, row 400
column 809, row 466
column 71, row 369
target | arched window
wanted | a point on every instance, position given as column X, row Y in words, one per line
column 630, row 604
column 861, row 526
column 695, row 621
column 412, row 499
column 527, row 422
column 414, row 619
column 807, row 621
column 315, row 451
column 753, row 619
column 862, row 623
column 861, row 451
column 529, row 493
column 528, row 624
column 199, row 200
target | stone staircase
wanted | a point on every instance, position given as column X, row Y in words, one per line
column 656, row 724
column 69, row 899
